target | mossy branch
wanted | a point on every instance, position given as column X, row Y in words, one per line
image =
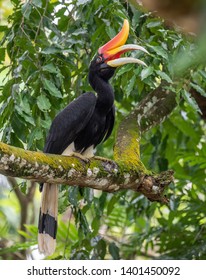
column 101, row 174
column 153, row 109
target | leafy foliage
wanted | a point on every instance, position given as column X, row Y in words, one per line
column 45, row 51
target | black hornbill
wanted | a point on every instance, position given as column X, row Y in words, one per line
column 82, row 125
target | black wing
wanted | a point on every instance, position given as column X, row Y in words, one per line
column 109, row 123
column 69, row 122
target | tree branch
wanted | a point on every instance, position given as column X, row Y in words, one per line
column 151, row 111
column 101, row 174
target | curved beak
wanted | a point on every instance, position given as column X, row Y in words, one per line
column 113, row 49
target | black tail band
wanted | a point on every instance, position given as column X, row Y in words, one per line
column 47, row 224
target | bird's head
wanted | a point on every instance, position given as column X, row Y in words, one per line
column 109, row 57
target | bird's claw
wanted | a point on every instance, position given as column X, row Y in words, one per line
column 101, row 158
column 83, row 158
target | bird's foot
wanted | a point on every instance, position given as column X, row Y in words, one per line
column 102, row 158
column 80, row 156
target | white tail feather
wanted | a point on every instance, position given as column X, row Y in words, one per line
column 48, row 219
column 46, row 244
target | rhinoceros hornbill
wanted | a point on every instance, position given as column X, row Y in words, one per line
column 82, row 125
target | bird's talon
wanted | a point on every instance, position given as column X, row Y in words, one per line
column 83, row 158
column 101, row 158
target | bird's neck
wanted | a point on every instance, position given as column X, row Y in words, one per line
column 105, row 93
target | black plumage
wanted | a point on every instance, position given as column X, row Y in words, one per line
column 88, row 120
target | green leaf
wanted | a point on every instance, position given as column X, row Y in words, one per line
column 24, row 234
column 2, row 54
column 164, row 76
column 111, row 204
column 177, row 43
column 53, row 90
column 6, row 110
column 23, row 187
column 191, row 101
column 88, row 195
column 153, row 24
column 146, row 72
column 95, row 225
column 43, row 103
column 82, row 2
column 124, row 69
column 3, row 28
column 110, row 31
column 73, row 193
column 114, row 251
column 101, row 249
column 51, row 68
column 19, row 126
column 26, row 10
column 130, row 85
column 15, row 2
column 56, row 50
column 36, row 134
column 46, row 123
column 185, row 127
column 160, row 51
column 99, row 204
column 84, row 226
column 27, row 117
column 15, row 141
column 52, row 50
column 203, row 74
column 198, row 89
column 37, row 3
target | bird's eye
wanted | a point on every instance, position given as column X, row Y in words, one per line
column 99, row 59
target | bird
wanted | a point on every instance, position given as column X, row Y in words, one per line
column 82, row 125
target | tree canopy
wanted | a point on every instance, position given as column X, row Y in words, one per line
column 45, row 50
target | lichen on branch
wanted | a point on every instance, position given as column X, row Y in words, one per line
column 97, row 173
column 127, row 146
column 151, row 111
